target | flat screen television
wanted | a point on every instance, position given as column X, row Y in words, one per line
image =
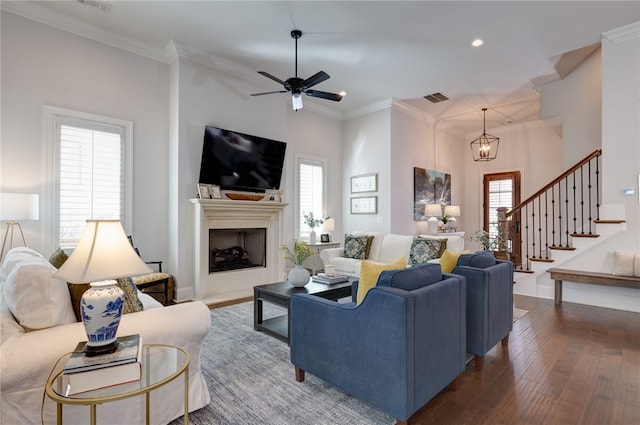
column 238, row 161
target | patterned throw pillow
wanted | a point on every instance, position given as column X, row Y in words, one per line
column 355, row 247
column 58, row 258
column 423, row 250
column 132, row 303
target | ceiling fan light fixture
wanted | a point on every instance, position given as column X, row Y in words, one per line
column 296, row 101
column 485, row 146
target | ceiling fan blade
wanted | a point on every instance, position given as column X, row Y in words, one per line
column 314, row 79
column 324, row 95
column 276, row 79
column 268, row 92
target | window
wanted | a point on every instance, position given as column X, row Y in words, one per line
column 500, row 190
column 311, row 193
column 90, row 171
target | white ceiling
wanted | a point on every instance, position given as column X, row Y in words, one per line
column 373, row 50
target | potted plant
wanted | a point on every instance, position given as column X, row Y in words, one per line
column 298, row 276
column 487, row 243
column 312, row 223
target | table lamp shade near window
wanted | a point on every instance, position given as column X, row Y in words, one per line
column 16, row 207
column 103, row 252
column 329, row 225
column 19, row 206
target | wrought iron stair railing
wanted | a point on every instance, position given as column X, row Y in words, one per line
column 565, row 208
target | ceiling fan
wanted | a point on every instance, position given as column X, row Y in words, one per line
column 297, row 85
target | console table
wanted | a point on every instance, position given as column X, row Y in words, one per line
column 314, row 263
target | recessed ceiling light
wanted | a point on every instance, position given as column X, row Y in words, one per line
column 477, row 42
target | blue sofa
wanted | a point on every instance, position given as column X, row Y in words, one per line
column 396, row 350
column 489, row 302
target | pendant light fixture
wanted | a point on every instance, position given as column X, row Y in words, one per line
column 485, row 147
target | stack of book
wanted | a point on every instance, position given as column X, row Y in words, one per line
column 84, row 373
column 330, row 279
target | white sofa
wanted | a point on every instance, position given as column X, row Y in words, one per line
column 385, row 248
column 30, row 355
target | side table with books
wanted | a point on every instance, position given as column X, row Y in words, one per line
column 154, row 365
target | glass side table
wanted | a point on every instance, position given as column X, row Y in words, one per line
column 161, row 364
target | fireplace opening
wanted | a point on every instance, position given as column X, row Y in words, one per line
column 232, row 249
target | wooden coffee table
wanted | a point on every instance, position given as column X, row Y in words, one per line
column 280, row 294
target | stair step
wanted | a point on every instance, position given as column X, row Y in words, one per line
column 609, row 221
column 584, row 235
column 542, row 260
column 563, row 248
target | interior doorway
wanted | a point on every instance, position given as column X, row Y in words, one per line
column 502, row 190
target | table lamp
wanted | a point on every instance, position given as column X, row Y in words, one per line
column 102, row 254
column 15, row 207
column 452, row 211
column 433, row 211
column 329, row 226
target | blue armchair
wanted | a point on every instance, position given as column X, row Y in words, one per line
column 489, row 302
column 396, row 350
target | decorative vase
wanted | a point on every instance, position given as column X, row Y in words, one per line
column 101, row 308
column 312, row 237
column 298, row 276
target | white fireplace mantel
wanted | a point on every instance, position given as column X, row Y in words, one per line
column 231, row 214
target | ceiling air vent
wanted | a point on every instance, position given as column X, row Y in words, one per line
column 436, row 97
column 98, row 4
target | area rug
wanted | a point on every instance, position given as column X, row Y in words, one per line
column 518, row 314
column 252, row 381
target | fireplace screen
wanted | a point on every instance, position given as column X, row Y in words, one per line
column 232, row 249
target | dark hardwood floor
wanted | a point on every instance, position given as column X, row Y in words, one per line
column 568, row 364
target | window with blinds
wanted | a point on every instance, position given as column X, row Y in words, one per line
column 500, row 195
column 310, row 193
column 91, row 175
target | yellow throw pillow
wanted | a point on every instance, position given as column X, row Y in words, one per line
column 449, row 260
column 369, row 273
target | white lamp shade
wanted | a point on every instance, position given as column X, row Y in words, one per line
column 103, row 252
column 329, row 224
column 19, row 206
column 432, row 210
column 452, row 210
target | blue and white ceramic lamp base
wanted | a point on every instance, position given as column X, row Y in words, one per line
column 101, row 308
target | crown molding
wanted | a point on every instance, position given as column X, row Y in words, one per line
column 623, row 33
column 52, row 18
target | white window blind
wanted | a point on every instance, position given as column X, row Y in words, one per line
column 310, row 193
column 500, row 195
column 91, row 167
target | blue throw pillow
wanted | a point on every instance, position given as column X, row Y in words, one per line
column 479, row 259
column 411, row 278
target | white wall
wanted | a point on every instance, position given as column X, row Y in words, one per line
column 44, row 66
column 411, row 146
column 317, row 136
column 533, row 148
column 621, row 125
column 169, row 105
column 366, row 149
column 577, row 99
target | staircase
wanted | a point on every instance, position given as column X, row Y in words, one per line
column 564, row 225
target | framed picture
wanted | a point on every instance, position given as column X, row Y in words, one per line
column 215, row 191
column 324, row 237
column 204, row 191
column 364, row 183
column 364, row 205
